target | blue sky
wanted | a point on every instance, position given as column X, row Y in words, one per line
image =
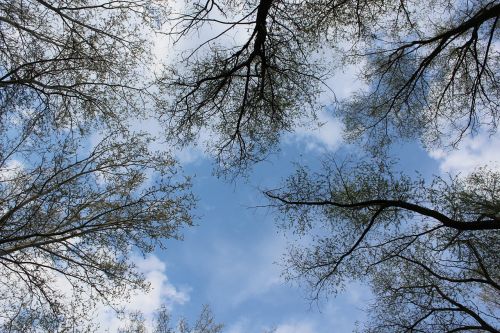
column 231, row 259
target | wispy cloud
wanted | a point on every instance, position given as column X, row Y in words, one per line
column 247, row 271
column 296, row 327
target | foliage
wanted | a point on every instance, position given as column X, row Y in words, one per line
column 430, row 70
column 205, row 323
column 76, row 202
column 75, row 63
column 435, row 82
column 245, row 93
column 71, row 218
column 429, row 251
column 74, row 209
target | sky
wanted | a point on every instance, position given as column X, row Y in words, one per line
column 233, row 258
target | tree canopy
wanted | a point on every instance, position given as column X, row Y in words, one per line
column 79, row 190
column 71, row 63
column 162, row 323
column 429, row 251
column 73, row 218
column 430, row 69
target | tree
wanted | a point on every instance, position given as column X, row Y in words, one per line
column 247, row 93
column 434, row 82
column 73, row 206
column 162, row 323
column 67, row 69
column 70, row 219
column 134, row 322
column 431, row 73
column 76, row 64
column 429, row 251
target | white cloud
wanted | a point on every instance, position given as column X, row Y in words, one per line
column 472, row 152
column 162, row 291
column 241, row 326
column 190, row 154
column 245, row 325
column 10, row 170
column 296, row 327
column 344, row 81
column 326, row 137
column 339, row 313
